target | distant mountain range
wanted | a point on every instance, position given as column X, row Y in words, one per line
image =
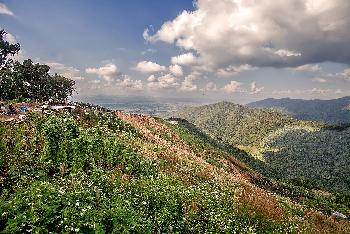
column 333, row 111
column 280, row 146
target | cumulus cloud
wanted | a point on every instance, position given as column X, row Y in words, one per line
column 184, row 59
column 234, row 70
column 288, row 33
column 149, row 67
column 67, row 71
column 187, row 85
column 210, row 86
column 232, row 87
column 254, row 89
column 5, row 10
column 342, row 75
column 128, row 83
column 107, row 72
column 287, row 53
column 163, row 82
column 345, row 75
column 176, row 70
column 308, row 68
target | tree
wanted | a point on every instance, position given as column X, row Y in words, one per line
column 6, row 49
column 29, row 80
column 60, row 87
column 33, row 81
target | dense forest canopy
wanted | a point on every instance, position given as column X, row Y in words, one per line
column 29, row 80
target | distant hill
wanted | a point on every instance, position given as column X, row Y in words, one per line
column 236, row 124
column 280, row 146
column 333, row 111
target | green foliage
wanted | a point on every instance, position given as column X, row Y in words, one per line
column 235, row 124
column 300, row 189
column 319, row 156
column 32, row 81
column 28, row 80
column 277, row 145
column 6, row 49
column 59, row 174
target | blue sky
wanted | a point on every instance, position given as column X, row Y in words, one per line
column 217, row 50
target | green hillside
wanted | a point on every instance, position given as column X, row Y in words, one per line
column 105, row 172
column 280, row 146
column 334, row 111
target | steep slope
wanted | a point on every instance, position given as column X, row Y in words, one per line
column 280, row 146
column 99, row 171
column 333, row 111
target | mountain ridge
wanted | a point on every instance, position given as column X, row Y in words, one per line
column 332, row 111
column 279, row 145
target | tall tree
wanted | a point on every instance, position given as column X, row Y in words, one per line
column 28, row 79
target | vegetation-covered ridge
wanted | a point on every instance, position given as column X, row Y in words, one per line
column 334, row 111
column 99, row 171
column 280, row 146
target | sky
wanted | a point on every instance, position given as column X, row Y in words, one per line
column 234, row 50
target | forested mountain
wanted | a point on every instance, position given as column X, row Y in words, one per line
column 333, row 111
column 236, row 124
column 279, row 146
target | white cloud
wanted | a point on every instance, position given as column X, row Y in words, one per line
column 210, row 86
column 22, row 54
column 127, row 82
column 318, row 91
column 149, row 51
column 152, row 78
column 308, row 68
column 345, row 75
column 95, row 81
column 286, row 33
column 232, row 87
column 187, row 85
column 149, row 67
column 282, row 92
column 67, row 71
column 107, row 72
column 234, row 70
column 254, row 89
column 319, row 80
column 146, row 35
column 5, row 10
column 176, row 70
column 163, row 82
column 10, row 38
column 184, row 59
column 287, row 53
column 339, row 91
